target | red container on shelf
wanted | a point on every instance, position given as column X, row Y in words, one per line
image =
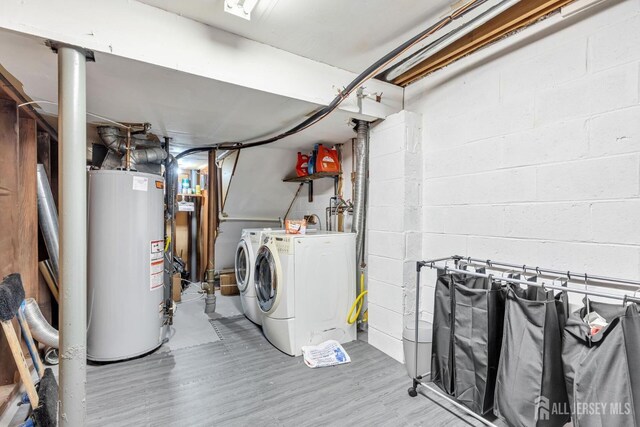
column 302, row 168
column 327, row 159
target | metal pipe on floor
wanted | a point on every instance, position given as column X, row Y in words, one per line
column 72, row 128
column 48, row 219
column 40, row 328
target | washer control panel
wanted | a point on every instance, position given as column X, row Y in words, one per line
column 254, row 237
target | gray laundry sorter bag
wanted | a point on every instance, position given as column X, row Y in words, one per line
column 604, row 368
column 530, row 381
column 468, row 317
column 441, row 351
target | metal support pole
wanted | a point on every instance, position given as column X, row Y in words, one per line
column 169, row 220
column 72, row 128
column 213, row 198
column 193, row 239
column 417, row 325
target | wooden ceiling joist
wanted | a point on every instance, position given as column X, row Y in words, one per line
column 9, row 87
column 516, row 17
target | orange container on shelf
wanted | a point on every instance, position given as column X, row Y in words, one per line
column 327, row 159
column 302, row 168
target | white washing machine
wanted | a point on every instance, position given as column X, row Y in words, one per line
column 305, row 285
column 250, row 241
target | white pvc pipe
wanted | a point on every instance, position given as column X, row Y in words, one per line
column 244, row 219
column 72, row 132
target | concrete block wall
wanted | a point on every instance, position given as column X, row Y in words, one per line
column 393, row 227
column 530, row 153
column 532, row 146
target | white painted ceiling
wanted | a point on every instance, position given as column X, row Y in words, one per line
column 349, row 34
column 193, row 110
column 198, row 111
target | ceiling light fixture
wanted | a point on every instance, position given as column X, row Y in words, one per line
column 241, row 8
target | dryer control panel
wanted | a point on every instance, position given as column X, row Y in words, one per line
column 283, row 244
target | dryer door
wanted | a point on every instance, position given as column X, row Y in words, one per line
column 242, row 266
column 266, row 279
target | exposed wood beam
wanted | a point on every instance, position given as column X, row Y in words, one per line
column 518, row 16
column 28, row 206
column 9, row 220
column 9, row 86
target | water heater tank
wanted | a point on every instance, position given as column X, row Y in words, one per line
column 126, row 264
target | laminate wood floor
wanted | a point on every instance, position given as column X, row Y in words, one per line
column 241, row 380
column 225, row 373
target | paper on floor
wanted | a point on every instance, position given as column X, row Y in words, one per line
column 329, row 353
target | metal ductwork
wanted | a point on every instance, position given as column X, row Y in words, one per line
column 111, row 138
column 41, row 330
column 48, row 218
column 148, row 155
column 360, row 187
column 114, row 141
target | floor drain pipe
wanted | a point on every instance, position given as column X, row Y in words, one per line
column 72, row 131
column 360, row 194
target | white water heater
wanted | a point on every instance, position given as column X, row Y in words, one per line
column 126, row 264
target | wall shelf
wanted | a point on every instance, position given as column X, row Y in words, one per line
column 312, row 177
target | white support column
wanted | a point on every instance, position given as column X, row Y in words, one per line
column 72, row 129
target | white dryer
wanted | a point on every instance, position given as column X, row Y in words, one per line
column 250, row 241
column 305, row 285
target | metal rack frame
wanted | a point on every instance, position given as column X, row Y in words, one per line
column 568, row 276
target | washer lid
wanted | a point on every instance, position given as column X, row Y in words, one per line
column 242, row 266
column 265, row 279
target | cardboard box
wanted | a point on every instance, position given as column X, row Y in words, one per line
column 176, row 287
column 228, row 284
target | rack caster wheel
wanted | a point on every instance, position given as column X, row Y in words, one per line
column 412, row 392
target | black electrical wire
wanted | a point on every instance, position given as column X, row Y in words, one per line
column 355, row 83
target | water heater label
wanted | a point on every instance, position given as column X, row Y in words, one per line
column 157, row 264
column 157, row 274
column 140, row 183
column 157, row 247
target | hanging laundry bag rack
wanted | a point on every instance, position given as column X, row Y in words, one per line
column 628, row 292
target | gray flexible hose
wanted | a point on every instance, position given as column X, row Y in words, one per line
column 41, row 330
